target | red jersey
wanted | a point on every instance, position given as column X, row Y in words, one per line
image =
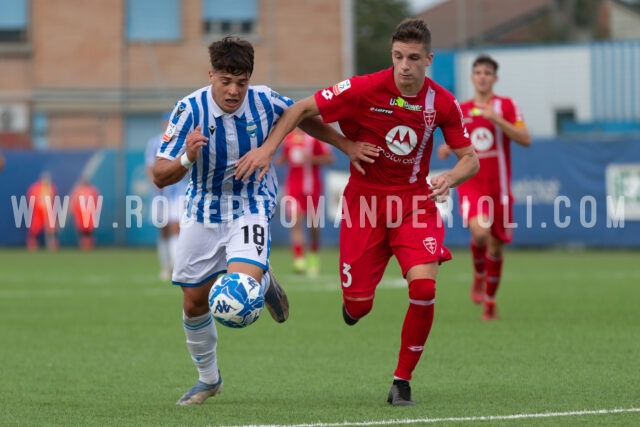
column 42, row 190
column 303, row 176
column 83, row 209
column 492, row 146
column 370, row 108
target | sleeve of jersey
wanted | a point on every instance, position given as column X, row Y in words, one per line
column 514, row 114
column 174, row 136
column 339, row 101
column 453, row 128
column 279, row 103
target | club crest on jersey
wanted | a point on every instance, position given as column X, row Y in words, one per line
column 169, row 132
column 430, row 244
column 251, row 129
column 429, row 117
column 180, row 109
column 338, row 88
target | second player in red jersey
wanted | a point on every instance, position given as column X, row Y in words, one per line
column 388, row 207
column 304, row 156
column 485, row 200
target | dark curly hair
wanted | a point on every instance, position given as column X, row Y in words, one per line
column 231, row 54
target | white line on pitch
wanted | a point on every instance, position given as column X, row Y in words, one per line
column 454, row 419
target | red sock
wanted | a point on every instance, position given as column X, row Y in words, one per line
column 416, row 326
column 478, row 254
column 494, row 273
column 298, row 250
column 314, row 246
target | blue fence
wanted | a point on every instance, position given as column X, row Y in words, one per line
column 567, row 193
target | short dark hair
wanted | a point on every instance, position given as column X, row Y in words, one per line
column 486, row 60
column 412, row 30
column 231, row 54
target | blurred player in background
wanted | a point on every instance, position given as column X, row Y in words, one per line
column 168, row 234
column 304, row 156
column 226, row 227
column 486, row 201
column 396, row 109
column 84, row 203
column 43, row 192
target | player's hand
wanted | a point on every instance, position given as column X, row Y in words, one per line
column 255, row 159
column 489, row 113
column 194, row 143
column 440, row 188
column 443, row 151
column 362, row 152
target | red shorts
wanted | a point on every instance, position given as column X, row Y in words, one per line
column 500, row 212
column 39, row 221
column 376, row 225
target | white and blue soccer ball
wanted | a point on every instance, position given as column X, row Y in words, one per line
column 236, row 300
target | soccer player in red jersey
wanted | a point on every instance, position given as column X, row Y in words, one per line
column 84, row 204
column 304, row 156
column 43, row 192
column 390, row 209
column 486, row 202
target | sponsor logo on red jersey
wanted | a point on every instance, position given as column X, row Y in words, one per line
column 338, row 88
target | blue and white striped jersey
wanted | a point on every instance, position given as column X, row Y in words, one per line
column 214, row 195
column 172, row 191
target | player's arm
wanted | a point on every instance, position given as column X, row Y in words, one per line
column 303, row 114
column 517, row 131
column 260, row 158
column 169, row 171
column 466, row 166
column 325, row 157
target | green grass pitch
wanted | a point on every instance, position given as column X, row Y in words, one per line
column 95, row 339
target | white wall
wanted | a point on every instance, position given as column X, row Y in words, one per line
column 541, row 80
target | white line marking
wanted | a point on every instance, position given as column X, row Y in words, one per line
column 453, row 419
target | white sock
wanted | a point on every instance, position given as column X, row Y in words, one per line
column 202, row 339
column 265, row 282
column 163, row 253
column 173, row 244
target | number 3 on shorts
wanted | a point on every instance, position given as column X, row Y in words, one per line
column 346, row 268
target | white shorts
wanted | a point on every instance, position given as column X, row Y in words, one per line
column 165, row 210
column 203, row 251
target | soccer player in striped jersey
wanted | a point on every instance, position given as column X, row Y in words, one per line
column 486, row 202
column 391, row 209
column 225, row 228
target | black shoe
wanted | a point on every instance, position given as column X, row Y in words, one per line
column 400, row 393
column 348, row 319
column 276, row 299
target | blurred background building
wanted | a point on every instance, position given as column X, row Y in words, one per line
column 95, row 73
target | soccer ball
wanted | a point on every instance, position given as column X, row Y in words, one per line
column 236, row 300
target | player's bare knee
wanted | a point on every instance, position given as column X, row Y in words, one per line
column 422, row 290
